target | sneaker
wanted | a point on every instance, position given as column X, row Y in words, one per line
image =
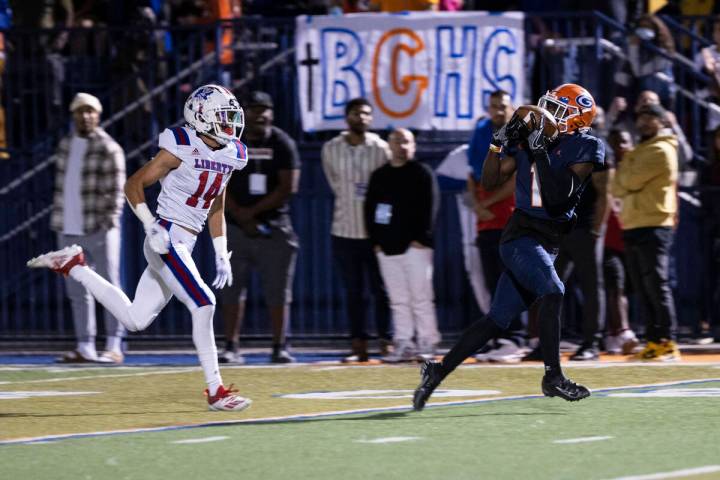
column 629, row 341
column 282, row 356
column 649, row 352
column 75, row 357
column 484, row 352
column 426, row 351
column 507, row 352
column 386, row 347
column 59, row 261
column 534, row 355
column 225, row 400
column 666, row 351
column 403, row 352
column 430, row 377
column 585, row 353
column 111, row 357
column 564, row 388
column 669, row 351
column 613, row 344
column 229, row 356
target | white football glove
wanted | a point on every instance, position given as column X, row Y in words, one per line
column 223, row 275
column 158, row 238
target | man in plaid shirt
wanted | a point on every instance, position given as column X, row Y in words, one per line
column 87, row 203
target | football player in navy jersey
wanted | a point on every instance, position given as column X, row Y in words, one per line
column 551, row 176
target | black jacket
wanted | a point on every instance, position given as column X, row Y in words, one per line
column 400, row 206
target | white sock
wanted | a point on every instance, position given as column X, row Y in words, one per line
column 204, row 339
column 110, row 296
column 87, row 349
column 113, row 344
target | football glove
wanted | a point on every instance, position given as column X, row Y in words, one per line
column 499, row 138
column 536, row 138
column 158, row 238
column 515, row 131
column 223, row 269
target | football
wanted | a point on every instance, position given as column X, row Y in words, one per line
column 529, row 116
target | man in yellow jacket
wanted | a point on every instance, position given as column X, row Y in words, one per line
column 646, row 182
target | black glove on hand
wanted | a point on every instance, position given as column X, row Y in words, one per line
column 499, row 138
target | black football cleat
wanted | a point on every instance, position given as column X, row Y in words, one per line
column 564, row 388
column 430, row 377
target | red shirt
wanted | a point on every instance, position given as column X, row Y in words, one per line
column 502, row 210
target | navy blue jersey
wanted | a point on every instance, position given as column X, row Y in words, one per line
column 566, row 151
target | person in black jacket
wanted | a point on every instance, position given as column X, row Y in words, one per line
column 400, row 209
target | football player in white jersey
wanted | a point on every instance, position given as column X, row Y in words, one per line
column 193, row 166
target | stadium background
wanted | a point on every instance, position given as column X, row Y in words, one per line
column 143, row 73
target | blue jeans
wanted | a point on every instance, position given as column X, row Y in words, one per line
column 530, row 275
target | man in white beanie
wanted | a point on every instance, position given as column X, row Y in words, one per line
column 87, row 203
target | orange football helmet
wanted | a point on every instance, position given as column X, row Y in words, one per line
column 571, row 105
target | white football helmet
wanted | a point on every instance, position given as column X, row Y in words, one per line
column 214, row 111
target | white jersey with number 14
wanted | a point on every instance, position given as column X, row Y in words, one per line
column 188, row 191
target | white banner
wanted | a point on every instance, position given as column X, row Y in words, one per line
column 423, row 70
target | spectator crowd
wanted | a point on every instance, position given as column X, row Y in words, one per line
column 386, row 200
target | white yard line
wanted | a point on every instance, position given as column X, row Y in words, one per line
column 582, row 440
column 388, row 440
column 200, row 440
column 674, row 474
column 93, row 377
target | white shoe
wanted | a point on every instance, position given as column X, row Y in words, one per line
column 225, row 400
column 403, row 352
column 426, row 351
column 613, row 344
column 59, row 261
column 228, row 356
column 507, row 352
column 629, row 341
column 624, row 343
column 111, row 357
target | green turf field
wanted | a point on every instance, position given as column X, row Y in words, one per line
column 624, row 432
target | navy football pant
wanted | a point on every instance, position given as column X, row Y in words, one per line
column 530, row 276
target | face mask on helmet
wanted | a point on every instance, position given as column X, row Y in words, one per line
column 571, row 105
column 557, row 109
column 214, row 111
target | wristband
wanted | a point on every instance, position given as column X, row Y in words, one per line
column 220, row 245
column 495, row 148
column 143, row 213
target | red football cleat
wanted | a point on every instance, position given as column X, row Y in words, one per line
column 59, row 261
column 225, row 400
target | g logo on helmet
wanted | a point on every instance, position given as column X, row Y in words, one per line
column 584, row 101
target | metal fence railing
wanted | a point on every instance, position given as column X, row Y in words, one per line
column 143, row 86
